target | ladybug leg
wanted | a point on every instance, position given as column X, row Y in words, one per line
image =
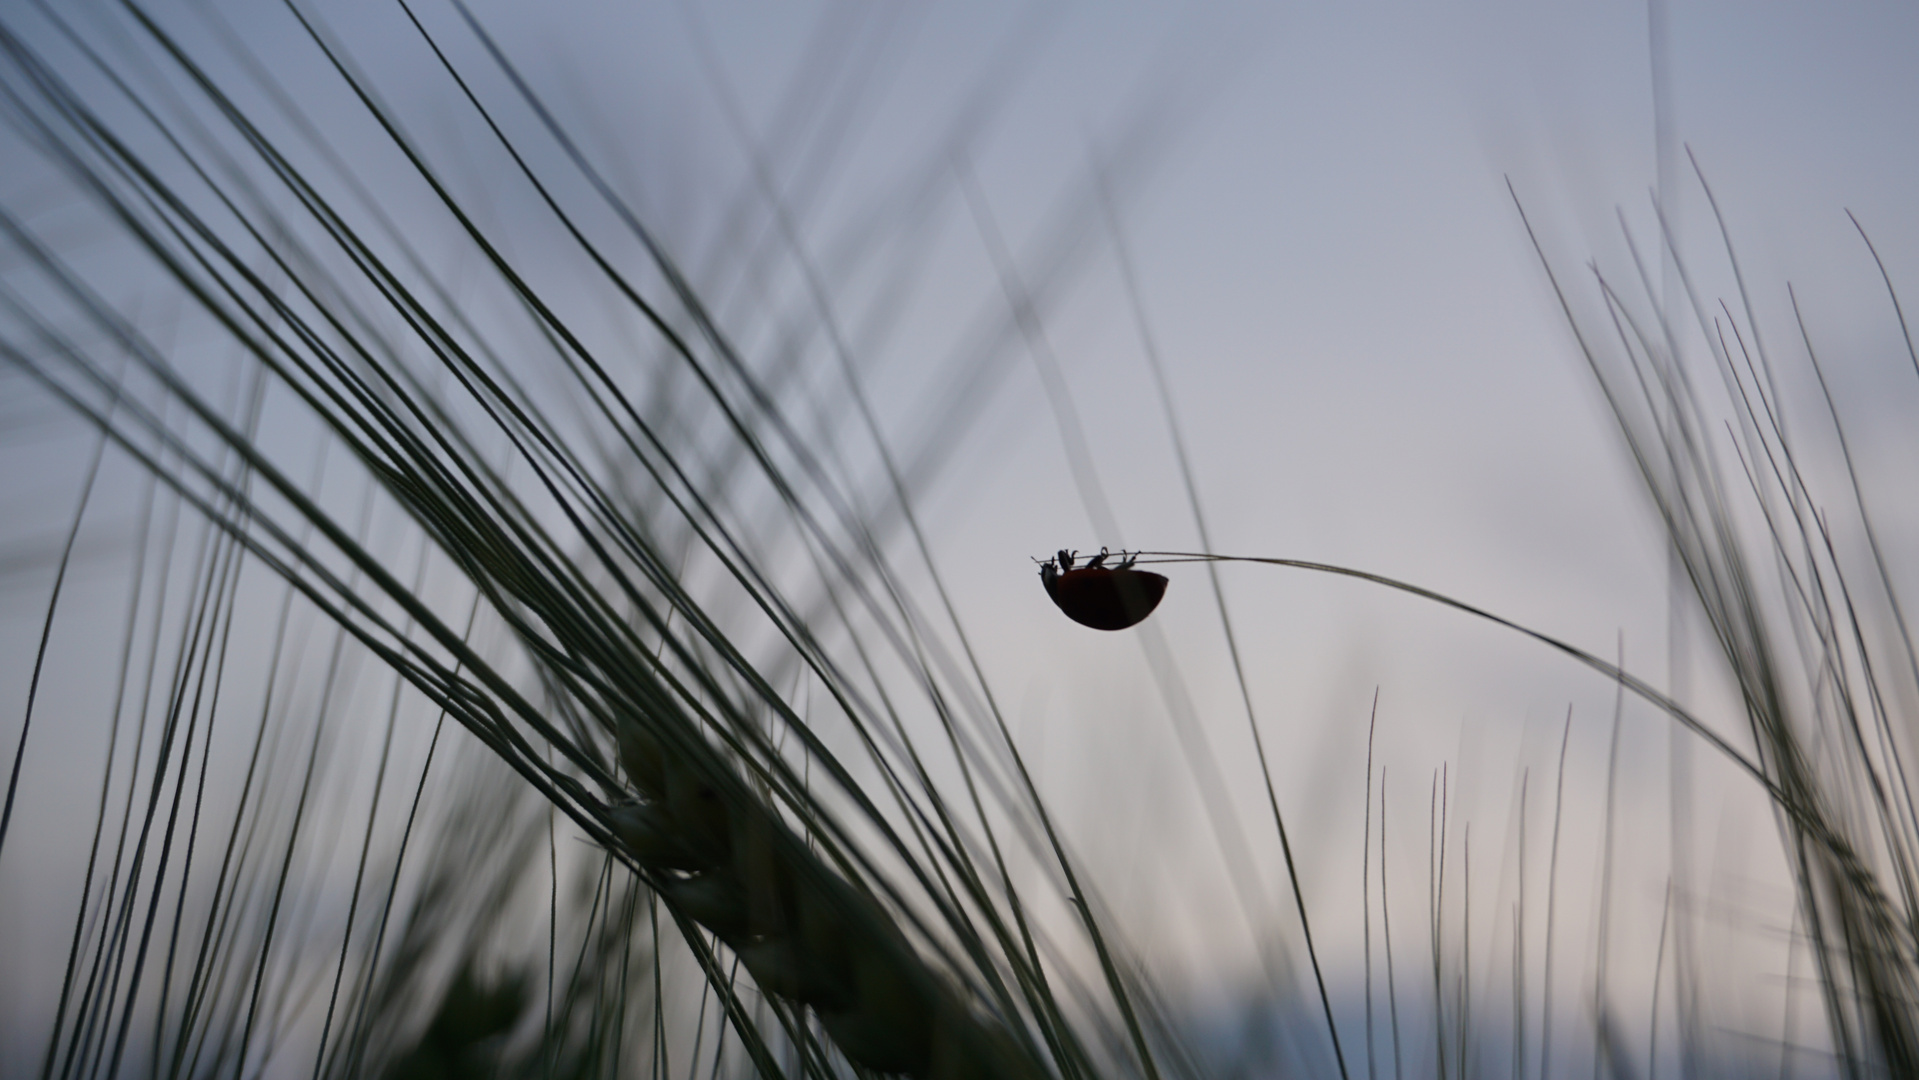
column 1066, row 560
column 1097, row 560
column 1126, row 561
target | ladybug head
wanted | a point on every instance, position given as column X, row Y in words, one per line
column 1048, row 573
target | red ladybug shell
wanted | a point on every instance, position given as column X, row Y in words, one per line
column 1106, row 599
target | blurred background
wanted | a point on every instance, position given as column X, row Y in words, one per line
column 1368, row 364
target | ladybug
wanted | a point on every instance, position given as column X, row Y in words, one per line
column 1099, row 596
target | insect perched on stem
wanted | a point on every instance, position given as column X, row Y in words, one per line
column 1100, row 596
